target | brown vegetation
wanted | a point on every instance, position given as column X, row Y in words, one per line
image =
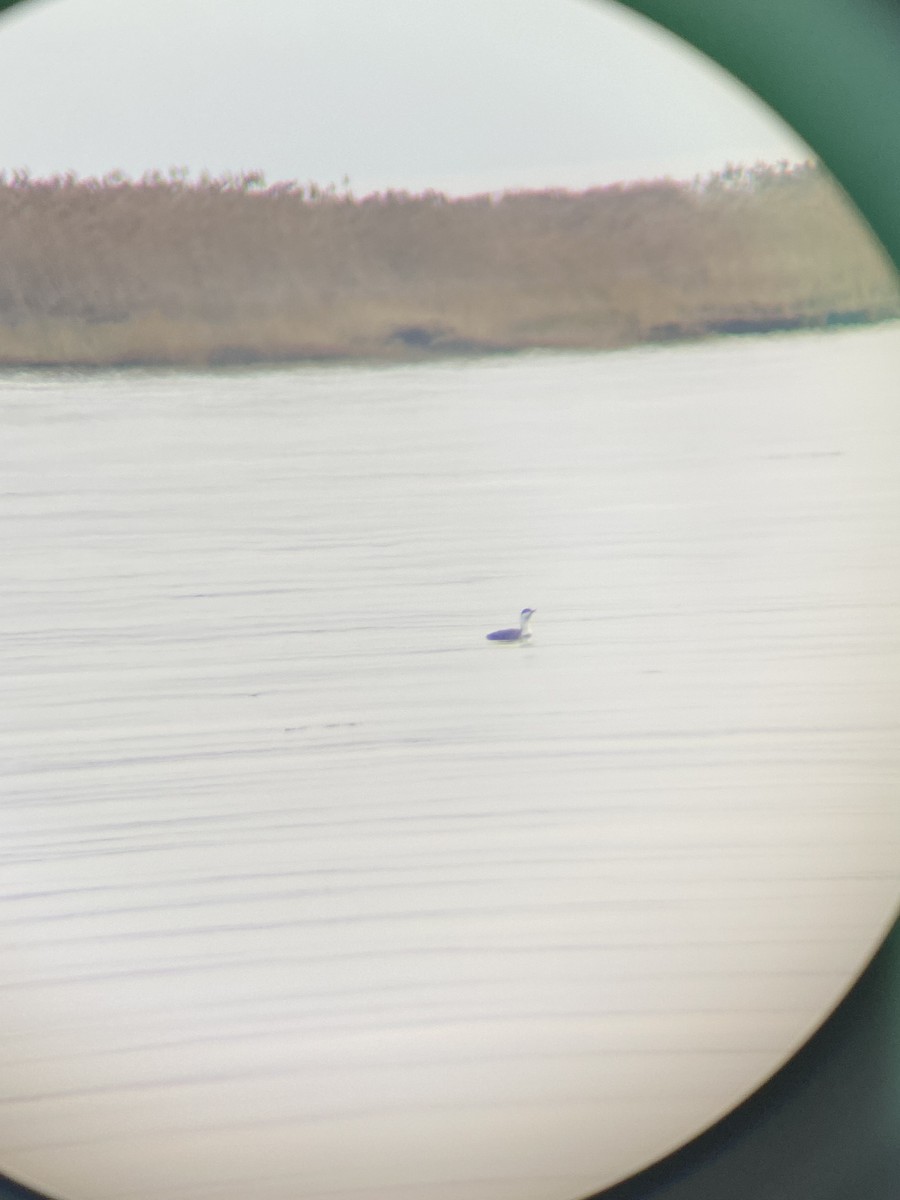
column 170, row 270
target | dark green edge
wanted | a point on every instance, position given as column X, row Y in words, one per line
column 827, row 1125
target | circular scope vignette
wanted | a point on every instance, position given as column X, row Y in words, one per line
column 452, row 666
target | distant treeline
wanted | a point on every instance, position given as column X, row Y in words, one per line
column 170, row 269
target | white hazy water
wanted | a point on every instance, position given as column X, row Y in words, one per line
column 308, row 890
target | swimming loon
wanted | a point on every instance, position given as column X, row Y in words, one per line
column 522, row 634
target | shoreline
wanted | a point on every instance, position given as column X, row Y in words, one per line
column 223, row 354
column 220, row 272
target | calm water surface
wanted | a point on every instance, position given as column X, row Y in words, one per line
column 308, row 891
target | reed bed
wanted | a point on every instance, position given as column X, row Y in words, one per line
column 173, row 270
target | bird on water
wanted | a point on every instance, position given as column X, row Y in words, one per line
column 522, row 634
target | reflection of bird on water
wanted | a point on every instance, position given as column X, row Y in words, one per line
column 522, row 634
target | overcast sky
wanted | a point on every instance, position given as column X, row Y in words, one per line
column 459, row 95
